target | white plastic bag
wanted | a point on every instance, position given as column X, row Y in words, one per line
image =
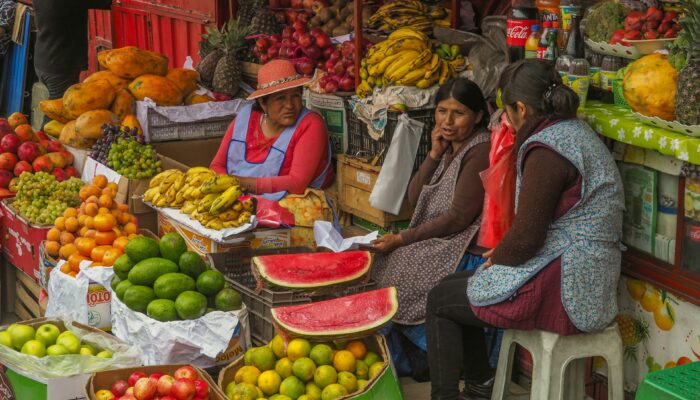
column 390, row 187
column 68, row 295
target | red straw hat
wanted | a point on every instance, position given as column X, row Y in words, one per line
column 275, row 76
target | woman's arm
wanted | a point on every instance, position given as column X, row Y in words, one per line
column 218, row 164
column 467, row 203
column 546, row 176
column 310, row 150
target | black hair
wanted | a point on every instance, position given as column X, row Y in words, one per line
column 538, row 85
column 466, row 93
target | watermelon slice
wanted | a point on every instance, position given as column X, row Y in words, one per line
column 312, row 270
column 349, row 316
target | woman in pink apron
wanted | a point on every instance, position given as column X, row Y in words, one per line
column 275, row 145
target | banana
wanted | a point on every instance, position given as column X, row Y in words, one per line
column 434, row 66
column 458, row 63
column 418, row 62
column 406, row 57
column 199, row 178
column 444, row 71
column 363, row 89
column 215, row 223
column 169, row 181
column 149, row 194
column 379, row 68
column 225, row 200
column 409, row 43
column 180, row 197
column 156, row 180
column 198, row 170
column 229, row 215
column 441, row 53
column 406, row 32
column 196, row 194
column 206, row 202
column 412, row 77
column 248, row 205
column 244, row 218
column 232, row 224
column 188, row 207
column 426, row 83
column 218, row 184
column 237, row 206
column 187, row 192
column 161, row 202
column 443, row 23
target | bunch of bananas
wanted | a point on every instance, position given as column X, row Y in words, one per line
column 405, row 59
column 409, row 14
column 207, row 197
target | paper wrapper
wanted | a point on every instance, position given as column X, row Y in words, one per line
column 219, row 236
column 67, row 295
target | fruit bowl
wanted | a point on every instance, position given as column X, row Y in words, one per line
column 675, row 126
column 648, row 46
column 615, row 50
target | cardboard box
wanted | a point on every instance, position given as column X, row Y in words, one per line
column 192, row 153
column 79, row 157
column 21, row 240
column 384, row 386
column 259, row 238
column 30, row 299
column 332, row 109
column 104, row 380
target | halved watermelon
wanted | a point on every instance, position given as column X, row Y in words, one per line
column 348, row 316
column 312, row 270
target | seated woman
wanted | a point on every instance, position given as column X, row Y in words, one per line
column 448, row 198
column 276, row 146
column 558, row 266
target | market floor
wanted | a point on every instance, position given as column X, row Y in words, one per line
column 413, row 390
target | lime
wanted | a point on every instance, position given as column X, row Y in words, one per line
column 292, row 387
column 304, row 369
column 322, row 354
column 325, row 375
column 284, row 367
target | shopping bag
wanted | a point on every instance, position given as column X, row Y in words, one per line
column 499, row 186
column 390, row 187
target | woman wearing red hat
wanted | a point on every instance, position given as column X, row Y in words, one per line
column 276, row 146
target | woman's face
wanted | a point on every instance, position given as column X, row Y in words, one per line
column 283, row 107
column 516, row 115
column 455, row 120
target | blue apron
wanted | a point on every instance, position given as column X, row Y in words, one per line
column 236, row 163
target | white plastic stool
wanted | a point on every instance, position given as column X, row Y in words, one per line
column 552, row 354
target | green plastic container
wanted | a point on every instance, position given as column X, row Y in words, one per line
column 618, row 97
column 677, row 383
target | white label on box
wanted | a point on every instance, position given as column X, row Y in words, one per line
column 363, row 177
column 93, row 168
column 72, row 388
column 99, row 301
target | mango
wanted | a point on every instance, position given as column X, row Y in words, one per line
column 53, row 109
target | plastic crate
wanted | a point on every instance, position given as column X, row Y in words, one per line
column 361, row 144
column 236, row 267
column 618, row 97
column 682, row 382
column 161, row 129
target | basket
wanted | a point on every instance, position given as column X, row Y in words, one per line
column 161, row 129
column 618, row 97
column 361, row 144
column 682, row 382
column 235, row 265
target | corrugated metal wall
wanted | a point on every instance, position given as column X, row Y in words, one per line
column 15, row 73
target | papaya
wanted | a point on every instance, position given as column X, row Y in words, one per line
column 157, row 88
column 53, row 128
column 83, row 97
column 53, row 109
column 147, row 271
column 70, row 137
column 116, row 81
column 194, row 98
column 124, row 104
column 131, row 122
column 185, row 79
column 89, row 124
column 131, row 62
column 102, row 57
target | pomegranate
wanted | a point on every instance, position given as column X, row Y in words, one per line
column 331, row 86
column 305, row 66
column 335, row 56
column 299, row 25
column 305, row 40
column 313, row 52
column 339, row 68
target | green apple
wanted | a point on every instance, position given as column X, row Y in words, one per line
column 65, row 333
column 87, row 350
column 5, row 339
column 104, row 354
column 21, row 334
column 34, row 347
column 57, row 350
column 71, row 343
column 47, row 334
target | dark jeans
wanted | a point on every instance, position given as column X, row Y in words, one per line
column 456, row 341
column 57, row 83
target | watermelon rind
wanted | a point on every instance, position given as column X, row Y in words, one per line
column 273, row 268
column 339, row 311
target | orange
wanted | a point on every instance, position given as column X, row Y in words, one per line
column 65, row 268
column 92, row 199
column 99, row 264
column 113, row 187
column 357, row 348
column 67, row 237
column 74, row 261
column 116, row 214
column 100, row 181
column 52, row 247
column 85, row 245
column 66, row 250
column 98, row 253
column 84, row 194
column 60, row 223
column 117, row 232
column 73, row 274
column 111, row 255
column 83, row 231
column 120, row 243
column 90, row 233
column 133, row 235
column 91, row 209
column 53, row 234
column 105, row 201
column 81, row 219
column 94, row 190
column 124, row 218
column 89, row 222
column 104, row 222
column 72, row 224
column 103, row 210
column 123, row 207
column 130, row 228
column 70, row 212
column 105, row 238
column 108, row 192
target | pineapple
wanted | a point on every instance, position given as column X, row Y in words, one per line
column 248, row 9
column 633, row 332
column 227, row 75
column 211, row 52
column 687, row 106
column 639, row 5
column 265, row 22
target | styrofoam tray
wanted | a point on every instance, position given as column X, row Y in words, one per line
column 675, row 126
column 616, row 50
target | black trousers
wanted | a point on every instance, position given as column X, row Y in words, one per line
column 57, row 83
column 456, row 340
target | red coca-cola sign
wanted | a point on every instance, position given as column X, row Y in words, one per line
column 693, row 233
column 518, row 31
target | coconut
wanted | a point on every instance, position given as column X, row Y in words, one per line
column 330, row 25
column 344, row 13
column 341, row 30
column 325, row 15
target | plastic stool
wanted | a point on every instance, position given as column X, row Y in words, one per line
column 552, row 354
column 682, row 382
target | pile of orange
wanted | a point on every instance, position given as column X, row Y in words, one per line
column 98, row 231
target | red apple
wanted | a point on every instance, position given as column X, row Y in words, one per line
column 42, row 163
column 201, row 388
column 119, row 387
column 54, row 145
column 313, row 52
column 71, row 172
column 350, row 71
column 165, row 384
column 305, row 66
column 305, row 40
column 331, row 86
column 5, row 128
column 28, row 151
column 8, row 161
column 323, row 40
column 59, row 174
column 23, row 166
column 10, row 143
column 304, row 17
column 168, row 397
column 186, row 372
column 145, row 388
column 135, row 377
column 183, row 389
column 128, row 397
column 335, row 56
column 41, row 135
column 347, row 84
column 327, row 52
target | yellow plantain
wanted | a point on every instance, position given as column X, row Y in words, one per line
column 188, row 207
column 406, row 57
column 412, row 77
column 215, row 223
column 169, row 181
column 149, row 194
column 379, row 68
column 405, row 44
column 244, row 218
column 156, row 180
column 229, row 215
column 418, row 62
column 426, row 83
column 225, row 200
column 444, row 71
column 406, row 32
column 434, row 66
column 206, row 202
column 199, row 170
column 232, row 224
column 218, row 184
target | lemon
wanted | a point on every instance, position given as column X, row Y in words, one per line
column 292, row 387
column 313, row 391
column 298, row 348
column 263, row 358
column 344, row 361
column 269, row 382
column 375, row 368
column 247, row 374
column 284, row 367
column 245, row 389
column 277, row 346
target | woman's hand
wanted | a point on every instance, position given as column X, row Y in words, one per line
column 247, row 184
column 487, row 255
column 438, row 144
column 388, row 243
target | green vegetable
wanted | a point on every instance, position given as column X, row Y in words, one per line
column 608, row 17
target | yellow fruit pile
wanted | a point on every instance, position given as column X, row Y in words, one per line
column 409, row 14
column 649, row 86
column 406, row 58
column 207, row 197
column 303, row 372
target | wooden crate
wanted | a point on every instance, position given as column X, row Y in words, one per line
column 27, row 297
column 356, row 180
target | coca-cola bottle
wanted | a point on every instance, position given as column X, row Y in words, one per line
column 521, row 17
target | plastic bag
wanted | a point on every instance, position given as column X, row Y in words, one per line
column 270, row 214
column 390, row 187
column 499, row 186
column 308, row 208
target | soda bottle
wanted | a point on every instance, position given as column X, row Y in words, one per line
column 532, row 42
column 521, row 17
column 544, row 40
column 548, row 10
column 574, row 43
column 552, row 51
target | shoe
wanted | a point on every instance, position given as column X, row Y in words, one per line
column 476, row 390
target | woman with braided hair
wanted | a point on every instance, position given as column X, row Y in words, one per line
column 558, row 266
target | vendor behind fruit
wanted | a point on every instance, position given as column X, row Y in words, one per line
column 275, row 146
